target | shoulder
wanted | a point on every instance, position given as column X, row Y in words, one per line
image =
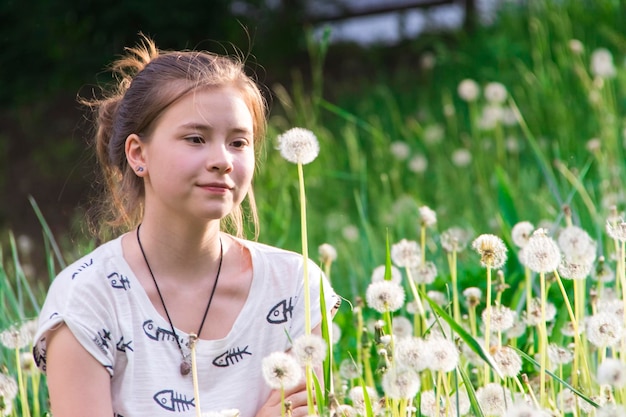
column 262, row 252
column 82, row 272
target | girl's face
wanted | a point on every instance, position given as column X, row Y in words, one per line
column 199, row 160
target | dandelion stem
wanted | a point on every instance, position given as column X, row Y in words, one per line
column 456, row 309
column 543, row 341
column 22, row 386
column 194, row 373
column 305, row 252
column 487, row 321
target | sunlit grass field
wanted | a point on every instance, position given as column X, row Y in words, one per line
column 514, row 136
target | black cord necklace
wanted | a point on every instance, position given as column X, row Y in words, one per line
column 185, row 365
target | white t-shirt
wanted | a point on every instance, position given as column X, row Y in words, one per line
column 110, row 314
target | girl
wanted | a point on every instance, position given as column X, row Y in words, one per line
column 176, row 141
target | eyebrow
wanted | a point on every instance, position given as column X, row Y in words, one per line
column 207, row 127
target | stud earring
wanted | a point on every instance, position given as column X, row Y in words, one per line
column 139, row 169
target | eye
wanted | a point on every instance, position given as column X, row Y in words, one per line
column 240, row 143
column 195, row 139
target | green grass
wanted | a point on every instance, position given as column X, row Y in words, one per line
column 358, row 192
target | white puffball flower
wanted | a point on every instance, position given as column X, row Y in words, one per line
column 461, row 157
column 298, row 145
column 428, row 216
column 495, row 92
column 602, row 63
column 541, row 253
column 327, row 252
column 443, row 353
column 400, row 383
column 424, row 273
column 617, row 231
column 357, row 396
column 522, row 408
column 468, row 90
column 378, row 274
column 501, row 317
column 406, row 253
column 604, row 330
column 412, row 352
column 349, row 369
column 576, row 46
column 612, row 372
column 418, row 164
column 281, row 370
column 521, row 233
column 310, row 349
column 491, row 249
column 15, row 337
column 402, row 327
column 400, row 150
column 577, row 246
column 384, row 296
column 559, row 355
column 493, row 399
column 454, row 239
column 508, row 360
column 611, row 410
column 8, row 387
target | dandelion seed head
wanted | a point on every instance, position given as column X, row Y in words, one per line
column 472, row 296
column 576, row 46
column 541, row 253
column 461, row 157
column 350, row 233
column 491, row 249
column 521, row 232
column 534, row 316
column 298, row 145
column 566, row 400
column 523, row 409
column 517, row 330
column 424, row 273
column 428, row 216
column 406, row 253
column 8, row 387
column 603, row 273
column 400, row 150
column 384, row 296
column 509, row 361
column 501, row 317
column 493, row 399
column 568, row 329
column 443, row 353
column 612, row 372
column 602, row 63
column 345, row 410
column 490, row 117
column 412, row 352
column 327, row 253
column 617, row 230
column 349, row 369
column 430, row 406
column 15, row 337
column 572, row 270
column 468, row 90
column 379, row 274
column 281, row 370
column 418, row 163
column 495, row 92
column 614, row 306
column 433, row 134
column 357, row 397
column 400, row 383
column 611, row 410
column 402, row 327
column 455, row 239
column 559, row 355
column 310, row 348
column 604, row 330
column 576, row 244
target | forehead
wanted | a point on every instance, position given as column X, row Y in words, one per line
column 211, row 105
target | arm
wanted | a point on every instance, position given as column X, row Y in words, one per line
column 77, row 383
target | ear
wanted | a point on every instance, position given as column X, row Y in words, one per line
column 134, row 148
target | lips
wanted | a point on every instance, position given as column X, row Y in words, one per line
column 215, row 185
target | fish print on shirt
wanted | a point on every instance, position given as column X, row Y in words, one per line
column 159, row 334
column 173, row 401
column 39, row 355
column 102, row 340
column 82, row 267
column 230, row 357
column 281, row 312
column 123, row 346
column 118, row 281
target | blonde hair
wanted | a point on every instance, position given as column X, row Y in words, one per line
column 148, row 82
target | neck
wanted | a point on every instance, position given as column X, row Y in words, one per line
column 185, row 253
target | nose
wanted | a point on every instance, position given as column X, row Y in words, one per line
column 219, row 159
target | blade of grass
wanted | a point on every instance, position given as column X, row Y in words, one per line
column 47, row 232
